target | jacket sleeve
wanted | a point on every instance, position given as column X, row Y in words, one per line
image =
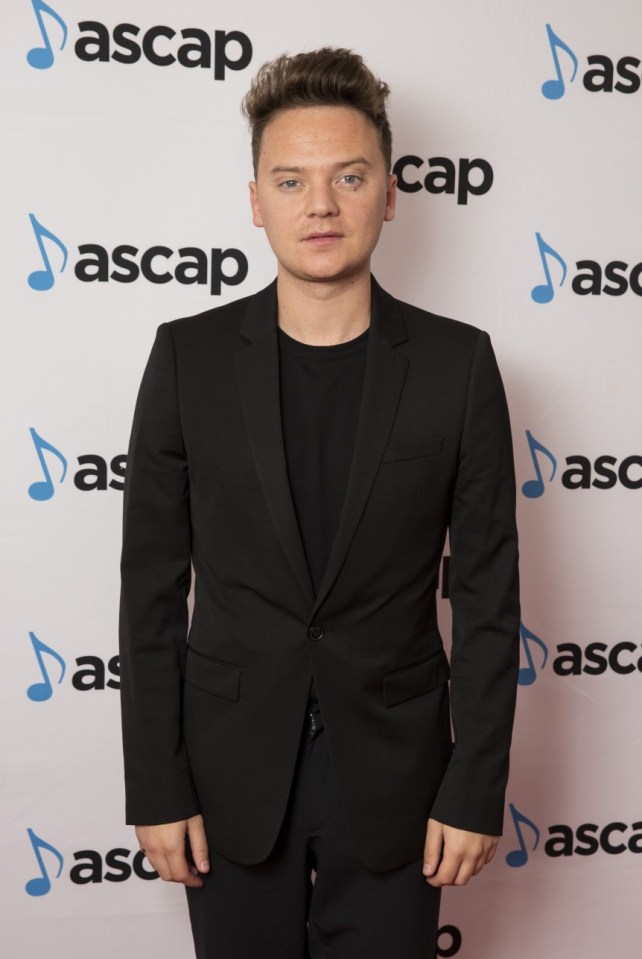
column 155, row 582
column 484, row 595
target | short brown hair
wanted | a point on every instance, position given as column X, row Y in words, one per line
column 325, row 77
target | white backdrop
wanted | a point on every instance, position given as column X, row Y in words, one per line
column 145, row 154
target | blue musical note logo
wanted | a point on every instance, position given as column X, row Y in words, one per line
column 534, row 488
column 41, row 58
column 528, row 674
column 544, row 292
column 41, row 691
column 44, row 279
column 44, row 489
column 40, row 885
column 519, row 857
column 554, row 89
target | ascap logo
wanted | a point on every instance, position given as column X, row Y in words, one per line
column 96, row 473
column 582, row 472
column 93, row 673
column 587, row 839
column 126, row 43
column 461, row 177
column 615, row 278
column 126, row 263
column 605, row 75
column 90, row 866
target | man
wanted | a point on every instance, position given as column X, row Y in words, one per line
column 308, row 448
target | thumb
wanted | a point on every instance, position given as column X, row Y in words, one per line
column 432, row 847
column 198, row 843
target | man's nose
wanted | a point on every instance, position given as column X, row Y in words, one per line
column 321, row 201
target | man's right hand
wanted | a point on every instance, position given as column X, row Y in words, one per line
column 164, row 846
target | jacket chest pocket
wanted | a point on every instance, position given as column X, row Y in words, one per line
column 397, row 452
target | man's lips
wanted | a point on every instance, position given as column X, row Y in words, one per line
column 320, row 239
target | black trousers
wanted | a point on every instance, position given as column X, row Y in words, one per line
column 273, row 910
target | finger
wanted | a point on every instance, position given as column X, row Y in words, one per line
column 465, row 873
column 198, row 843
column 161, row 865
column 491, row 854
column 180, row 870
column 448, row 869
column 432, row 847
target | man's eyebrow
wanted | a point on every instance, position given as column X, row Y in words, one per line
column 340, row 165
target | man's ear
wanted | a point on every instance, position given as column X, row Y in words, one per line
column 391, row 197
column 254, row 202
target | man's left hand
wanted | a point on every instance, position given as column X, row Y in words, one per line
column 463, row 854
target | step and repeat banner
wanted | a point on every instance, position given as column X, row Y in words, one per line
column 125, row 168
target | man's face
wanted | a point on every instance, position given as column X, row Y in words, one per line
column 322, row 191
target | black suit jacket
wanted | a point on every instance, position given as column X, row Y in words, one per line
column 211, row 723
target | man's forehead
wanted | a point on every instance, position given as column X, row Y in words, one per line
column 304, row 136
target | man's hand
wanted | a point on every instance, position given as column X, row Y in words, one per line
column 464, row 854
column 164, row 847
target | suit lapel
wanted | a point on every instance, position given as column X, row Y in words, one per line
column 383, row 380
column 257, row 374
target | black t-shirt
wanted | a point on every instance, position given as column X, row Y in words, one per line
column 320, row 389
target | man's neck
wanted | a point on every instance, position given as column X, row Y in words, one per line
column 324, row 313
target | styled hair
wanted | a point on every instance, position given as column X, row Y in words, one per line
column 331, row 76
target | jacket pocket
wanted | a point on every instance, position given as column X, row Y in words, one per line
column 418, row 678
column 410, row 451
column 212, row 675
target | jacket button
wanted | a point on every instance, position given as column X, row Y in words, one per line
column 315, row 632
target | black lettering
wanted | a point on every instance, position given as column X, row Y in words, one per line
column 589, row 282
column 634, row 279
column 569, row 662
column 82, row 479
column 221, row 58
column 635, row 842
column 202, row 49
column 594, row 655
column 92, row 267
column 580, row 477
column 116, row 859
column 122, row 33
column 195, row 271
column 114, row 668
column 93, row 48
column 626, row 68
column 218, row 276
column 614, row 658
column 559, row 845
column 118, row 466
column 148, row 46
column 601, row 467
column 612, row 272
column 90, row 871
column 139, row 867
column 442, row 181
column 599, row 80
column 605, row 838
column 587, row 844
column 465, row 185
column 452, row 947
column 93, row 677
column 623, row 473
column 147, row 259
column 122, row 256
column 407, row 186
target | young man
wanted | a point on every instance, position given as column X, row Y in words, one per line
column 308, row 448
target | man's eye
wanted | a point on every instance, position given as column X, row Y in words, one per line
column 289, row 184
column 351, row 179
